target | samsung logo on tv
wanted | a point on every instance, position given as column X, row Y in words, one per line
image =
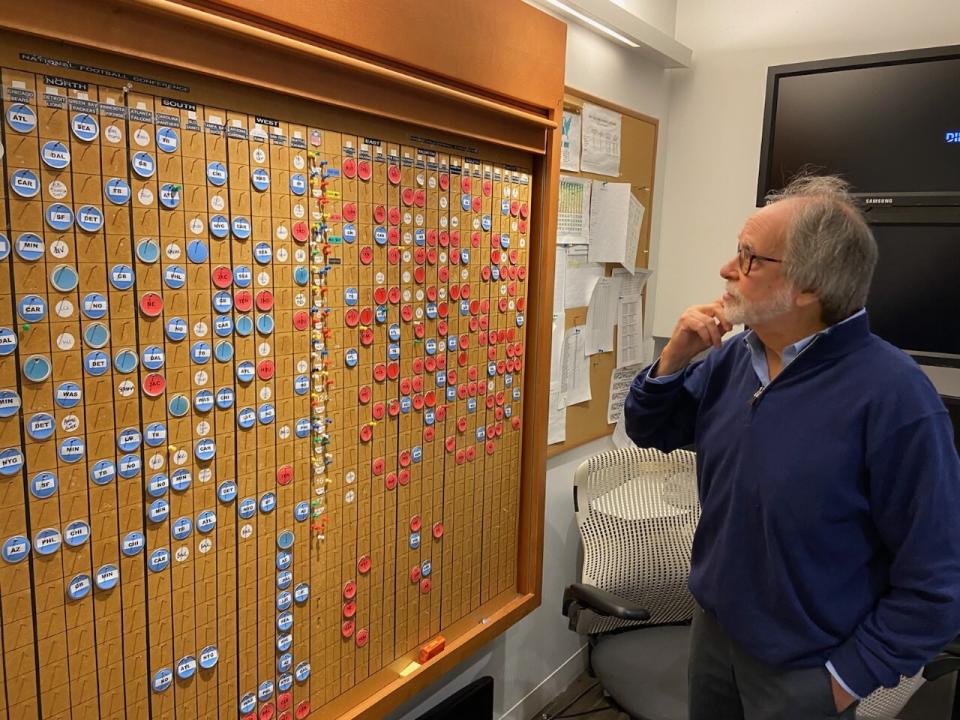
column 953, row 137
column 878, row 201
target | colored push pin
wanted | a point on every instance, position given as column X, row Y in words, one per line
column 25, row 327
column 176, row 188
column 172, row 448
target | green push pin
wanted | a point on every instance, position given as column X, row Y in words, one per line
column 25, row 327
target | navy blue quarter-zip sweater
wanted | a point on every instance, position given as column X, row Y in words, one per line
column 830, row 525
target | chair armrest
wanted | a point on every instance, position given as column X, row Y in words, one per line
column 943, row 664
column 601, row 602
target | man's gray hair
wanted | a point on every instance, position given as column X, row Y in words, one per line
column 830, row 249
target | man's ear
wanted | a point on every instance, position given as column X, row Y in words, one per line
column 806, row 298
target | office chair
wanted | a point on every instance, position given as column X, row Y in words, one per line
column 637, row 510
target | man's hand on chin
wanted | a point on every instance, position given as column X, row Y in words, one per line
column 841, row 698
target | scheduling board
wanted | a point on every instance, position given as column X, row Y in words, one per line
column 260, row 396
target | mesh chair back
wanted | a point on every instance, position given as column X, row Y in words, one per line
column 885, row 703
column 637, row 509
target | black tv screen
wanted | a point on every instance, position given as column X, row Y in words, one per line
column 914, row 301
column 889, row 124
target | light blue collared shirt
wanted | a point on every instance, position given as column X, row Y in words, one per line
column 758, row 358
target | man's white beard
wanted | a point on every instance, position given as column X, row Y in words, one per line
column 740, row 312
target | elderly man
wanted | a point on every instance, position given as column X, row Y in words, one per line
column 827, row 558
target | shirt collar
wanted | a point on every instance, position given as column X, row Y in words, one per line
column 758, row 353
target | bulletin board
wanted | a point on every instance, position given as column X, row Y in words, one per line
column 263, row 392
column 638, row 152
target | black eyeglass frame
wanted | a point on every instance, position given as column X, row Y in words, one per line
column 749, row 257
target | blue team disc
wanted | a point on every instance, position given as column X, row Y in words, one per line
column 301, row 275
column 301, row 511
column 71, row 449
column 59, row 217
column 96, row 363
column 223, row 326
column 4, row 247
column 260, row 179
column 263, row 253
column 181, row 528
column 129, row 466
column 163, row 678
column 155, row 434
column 246, row 418
column 205, row 449
column 219, row 226
column 197, row 251
column 264, row 324
column 225, row 398
column 76, row 533
column 94, row 306
column 200, row 352
column 181, row 479
column 32, row 308
column 203, row 401
column 121, row 277
column 227, row 491
column 117, row 191
column 301, row 594
column 25, row 183
column 8, row 341
column 103, row 472
column 47, row 541
column 64, row 278
column 89, row 218
column 176, row 329
column 174, row 277
column 153, row 357
column 9, row 403
column 223, row 351
column 43, row 485
column 148, row 251
column 132, row 543
column 217, row 173
column 85, row 127
column 107, row 577
column 96, row 335
column 41, row 426
column 206, row 521
column 16, row 548
column 169, row 196
column 167, row 139
column 158, row 485
column 266, row 414
column 242, row 276
column 245, row 371
column 246, row 508
column 209, row 657
column 143, row 164
column 186, row 667
column 125, row 361
column 21, row 118
column 79, row 587
column 302, row 428
column 178, row 405
column 241, row 228
column 244, row 326
column 301, row 384
column 268, row 503
column 159, row 560
column 298, row 184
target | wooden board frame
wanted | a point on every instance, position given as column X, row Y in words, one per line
column 638, row 154
column 468, row 112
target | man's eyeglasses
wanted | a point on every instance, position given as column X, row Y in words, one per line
column 745, row 260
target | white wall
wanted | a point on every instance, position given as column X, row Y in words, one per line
column 537, row 658
column 716, row 111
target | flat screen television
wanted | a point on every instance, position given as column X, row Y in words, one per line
column 889, row 124
column 914, row 300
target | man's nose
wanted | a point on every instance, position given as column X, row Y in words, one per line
column 729, row 270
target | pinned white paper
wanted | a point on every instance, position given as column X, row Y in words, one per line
column 600, row 153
